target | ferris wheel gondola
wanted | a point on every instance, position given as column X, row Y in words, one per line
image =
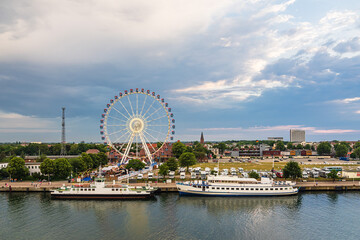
column 137, row 122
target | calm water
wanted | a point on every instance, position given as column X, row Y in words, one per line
column 306, row 216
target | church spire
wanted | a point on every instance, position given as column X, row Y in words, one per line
column 202, row 138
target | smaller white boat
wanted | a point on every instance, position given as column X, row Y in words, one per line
column 100, row 191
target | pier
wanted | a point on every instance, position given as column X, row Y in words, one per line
column 171, row 187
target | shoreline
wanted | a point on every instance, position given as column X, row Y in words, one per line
column 171, row 187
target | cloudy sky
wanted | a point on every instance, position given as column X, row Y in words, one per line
column 232, row 69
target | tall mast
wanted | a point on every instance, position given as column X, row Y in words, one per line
column 63, row 147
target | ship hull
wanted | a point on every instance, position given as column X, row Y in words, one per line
column 239, row 194
column 101, row 196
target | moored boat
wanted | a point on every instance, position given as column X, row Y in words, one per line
column 236, row 186
column 100, row 191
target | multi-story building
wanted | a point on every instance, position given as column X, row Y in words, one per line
column 297, row 135
column 3, row 165
column 34, row 167
column 275, row 138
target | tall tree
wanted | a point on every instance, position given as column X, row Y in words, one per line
column 47, row 167
column 307, row 146
column 172, row 163
column 222, row 147
column 324, row 148
column 178, row 148
column 253, row 174
column 163, row 169
column 78, row 165
column 16, row 168
column 187, row 159
column 357, row 152
column 333, row 174
column 292, row 169
column 289, row 145
column 280, row 146
column 135, row 164
column 102, row 158
column 341, row 150
column 62, row 168
column 299, row 146
column 87, row 160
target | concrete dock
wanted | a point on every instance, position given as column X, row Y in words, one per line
column 171, row 187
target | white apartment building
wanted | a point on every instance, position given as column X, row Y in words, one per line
column 34, row 167
column 297, row 135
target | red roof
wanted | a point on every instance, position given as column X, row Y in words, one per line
column 92, row 151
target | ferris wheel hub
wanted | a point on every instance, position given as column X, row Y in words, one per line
column 136, row 125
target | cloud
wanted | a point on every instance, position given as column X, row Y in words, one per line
column 352, row 45
column 17, row 123
column 281, row 128
column 347, row 100
column 292, row 54
column 77, row 32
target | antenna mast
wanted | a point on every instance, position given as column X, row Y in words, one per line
column 63, row 147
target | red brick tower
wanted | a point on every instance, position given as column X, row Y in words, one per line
column 202, row 138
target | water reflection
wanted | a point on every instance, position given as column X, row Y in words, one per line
column 223, row 204
column 333, row 197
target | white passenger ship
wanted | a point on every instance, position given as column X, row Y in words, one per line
column 99, row 190
column 235, row 186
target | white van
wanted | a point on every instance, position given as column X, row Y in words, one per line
column 193, row 175
column 182, row 175
column 171, row 174
column 150, row 175
column 140, row 176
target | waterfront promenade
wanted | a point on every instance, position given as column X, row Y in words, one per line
column 26, row 186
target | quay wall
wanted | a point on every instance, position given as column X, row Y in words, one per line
column 171, row 187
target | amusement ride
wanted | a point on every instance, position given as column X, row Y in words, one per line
column 137, row 122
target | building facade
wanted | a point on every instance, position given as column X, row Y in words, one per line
column 275, row 138
column 297, row 135
column 34, row 167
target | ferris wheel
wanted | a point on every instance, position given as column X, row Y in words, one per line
column 137, row 123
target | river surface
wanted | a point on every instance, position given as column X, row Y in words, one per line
column 306, row 216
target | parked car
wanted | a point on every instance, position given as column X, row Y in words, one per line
column 171, row 174
column 140, row 176
column 150, row 175
column 182, row 175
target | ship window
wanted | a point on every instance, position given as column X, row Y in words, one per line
column 242, row 188
column 218, row 188
column 222, row 188
column 286, row 189
column 113, row 189
column 117, row 189
column 81, row 189
column 271, row 189
column 247, row 189
column 280, row 188
column 276, row 189
column 207, row 186
column 227, row 188
column 93, row 189
column 261, row 189
column 266, row 189
column 212, row 188
column 85, row 189
column 256, row 189
column 237, row 188
column 251, row 189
